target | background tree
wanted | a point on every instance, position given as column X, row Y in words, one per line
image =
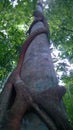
column 11, row 33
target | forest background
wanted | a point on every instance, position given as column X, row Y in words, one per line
column 15, row 19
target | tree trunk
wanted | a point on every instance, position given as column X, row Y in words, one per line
column 38, row 75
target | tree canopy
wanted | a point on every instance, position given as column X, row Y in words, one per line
column 15, row 19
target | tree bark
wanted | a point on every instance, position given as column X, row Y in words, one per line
column 39, row 77
column 38, row 70
column 38, row 74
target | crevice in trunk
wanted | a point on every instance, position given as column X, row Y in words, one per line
column 12, row 98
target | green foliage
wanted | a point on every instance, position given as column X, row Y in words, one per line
column 61, row 25
column 13, row 26
column 14, row 23
column 60, row 17
column 68, row 99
